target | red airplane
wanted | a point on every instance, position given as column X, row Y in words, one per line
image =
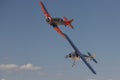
column 54, row 22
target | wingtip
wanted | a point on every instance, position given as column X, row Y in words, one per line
column 40, row 3
column 95, row 73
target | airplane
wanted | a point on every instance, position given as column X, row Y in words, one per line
column 77, row 55
column 54, row 22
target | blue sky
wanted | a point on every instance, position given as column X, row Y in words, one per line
column 31, row 50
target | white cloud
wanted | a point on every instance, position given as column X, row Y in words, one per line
column 3, row 79
column 9, row 67
column 29, row 67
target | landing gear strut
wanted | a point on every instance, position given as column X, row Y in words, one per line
column 73, row 63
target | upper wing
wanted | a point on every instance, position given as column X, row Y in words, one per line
column 71, row 43
column 81, row 55
column 89, row 66
column 44, row 10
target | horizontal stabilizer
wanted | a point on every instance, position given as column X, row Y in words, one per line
column 68, row 22
column 92, row 57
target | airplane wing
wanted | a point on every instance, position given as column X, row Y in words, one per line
column 58, row 30
column 44, row 10
column 89, row 66
column 81, row 55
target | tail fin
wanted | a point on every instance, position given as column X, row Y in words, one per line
column 92, row 57
column 68, row 22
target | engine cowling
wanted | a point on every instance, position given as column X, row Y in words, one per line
column 48, row 19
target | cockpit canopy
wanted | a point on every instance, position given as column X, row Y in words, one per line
column 58, row 19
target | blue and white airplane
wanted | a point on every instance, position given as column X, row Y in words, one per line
column 76, row 55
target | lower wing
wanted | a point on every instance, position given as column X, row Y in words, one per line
column 60, row 32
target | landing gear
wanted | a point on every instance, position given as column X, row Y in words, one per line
column 73, row 63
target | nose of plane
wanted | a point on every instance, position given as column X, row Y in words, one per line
column 67, row 56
